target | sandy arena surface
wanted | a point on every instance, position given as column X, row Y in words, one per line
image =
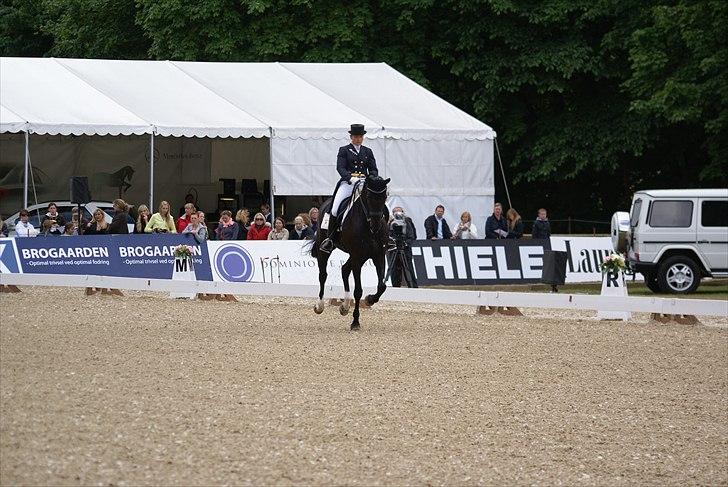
column 144, row 390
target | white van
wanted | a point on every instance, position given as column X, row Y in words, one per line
column 675, row 237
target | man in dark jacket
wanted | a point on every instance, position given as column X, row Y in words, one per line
column 401, row 255
column 118, row 223
column 354, row 162
column 436, row 227
column 496, row 225
column 541, row 227
column 300, row 230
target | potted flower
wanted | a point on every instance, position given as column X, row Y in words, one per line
column 182, row 252
column 613, row 263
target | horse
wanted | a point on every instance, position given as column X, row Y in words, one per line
column 363, row 235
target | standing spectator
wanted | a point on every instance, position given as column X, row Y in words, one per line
column 515, row 224
column 78, row 224
column 542, row 226
column 301, row 231
column 226, row 229
column 403, row 243
column 24, row 228
column 70, row 230
column 265, row 210
column 196, row 229
column 58, row 222
column 313, row 215
column 260, row 228
column 98, row 225
column 184, row 220
column 121, row 214
column 3, row 228
column 142, row 219
column 495, row 225
column 466, row 229
column 162, row 221
column 189, row 200
column 279, row 232
column 46, row 229
column 436, row 227
column 242, row 217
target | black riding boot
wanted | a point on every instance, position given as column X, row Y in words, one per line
column 327, row 245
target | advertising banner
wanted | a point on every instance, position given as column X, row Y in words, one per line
column 584, row 256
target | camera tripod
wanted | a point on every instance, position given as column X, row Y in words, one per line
column 397, row 256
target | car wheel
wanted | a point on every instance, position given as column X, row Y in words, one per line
column 651, row 282
column 678, row 275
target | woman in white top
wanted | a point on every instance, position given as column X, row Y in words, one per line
column 466, row 229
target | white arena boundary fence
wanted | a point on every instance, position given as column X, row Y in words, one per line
column 667, row 306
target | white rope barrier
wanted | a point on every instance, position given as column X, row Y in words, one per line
column 671, row 306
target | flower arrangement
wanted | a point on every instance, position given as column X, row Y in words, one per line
column 183, row 251
column 613, row 262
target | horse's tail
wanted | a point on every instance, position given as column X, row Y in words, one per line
column 310, row 247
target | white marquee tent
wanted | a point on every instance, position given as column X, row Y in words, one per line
column 433, row 152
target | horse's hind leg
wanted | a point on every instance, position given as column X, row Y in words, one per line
column 357, row 296
column 381, row 286
column 346, row 303
column 323, row 259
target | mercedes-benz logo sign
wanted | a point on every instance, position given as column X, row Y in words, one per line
column 233, row 263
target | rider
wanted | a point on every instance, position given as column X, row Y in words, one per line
column 353, row 163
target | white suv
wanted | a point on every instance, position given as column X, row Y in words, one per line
column 677, row 236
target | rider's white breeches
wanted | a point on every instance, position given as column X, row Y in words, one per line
column 343, row 192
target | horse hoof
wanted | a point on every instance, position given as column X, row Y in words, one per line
column 355, row 327
column 318, row 310
column 370, row 300
column 343, row 310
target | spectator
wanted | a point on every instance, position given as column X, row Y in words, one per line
column 265, row 210
column 46, row 228
column 301, row 231
column 58, row 221
column 24, row 228
column 98, row 225
column 3, row 228
column 184, row 220
column 313, row 215
column 242, row 217
column 118, row 224
column 70, row 230
column 279, row 232
column 142, row 219
column 495, row 225
column 542, row 226
column 189, row 200
column 226, row 229
column 75, row 220
column 195, row 228
column 162, row 221
column 402, row 242
column 260, row 228
column 515, row 224
column 466, row 229
column 436, row 227
column 201, row 216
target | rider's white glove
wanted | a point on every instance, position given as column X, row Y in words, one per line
column 353, row 180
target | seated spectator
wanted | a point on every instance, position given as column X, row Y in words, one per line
column 265, row 210
column 3, row 228
column 184, row 220
column 70, row 230
column 301, row 231
column 542, row 226
column 260, row 228
column 58, row 221
column 196, row 229
column 436, row 227
column 189, row 200
column 75, row 221
column 23, row 228
column 162, row 221
column 118, row 224
column 466, row 229
column 98, row 225
column 46, row 229
column 313, row 215
column 515, row 224
column 142, row 219
column 227, row 229
column 495, row 225
column 242, row 217
column 279, row 231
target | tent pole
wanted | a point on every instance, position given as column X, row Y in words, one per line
column 272, row 199
column 27, row 170
column 500, row 161
column 151, row 173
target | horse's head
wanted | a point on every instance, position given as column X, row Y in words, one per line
column 375, row 195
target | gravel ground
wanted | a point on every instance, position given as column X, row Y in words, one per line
column 145, row 390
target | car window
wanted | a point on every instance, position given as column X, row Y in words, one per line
column 672, row 214
column 714, row 214
column 634, row 218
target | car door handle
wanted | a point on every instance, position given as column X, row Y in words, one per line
column 704, row 241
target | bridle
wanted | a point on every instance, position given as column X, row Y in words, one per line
column 378, row 216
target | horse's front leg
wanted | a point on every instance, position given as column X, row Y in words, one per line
column 345, row 273
column 381, row 286
column 357, row 296
column 323, row 260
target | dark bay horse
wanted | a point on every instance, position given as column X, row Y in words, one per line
column 364, row 235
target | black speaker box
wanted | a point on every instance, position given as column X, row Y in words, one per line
column 80, row 194
column 554, row 267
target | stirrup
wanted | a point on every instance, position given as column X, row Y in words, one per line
column 327, row 245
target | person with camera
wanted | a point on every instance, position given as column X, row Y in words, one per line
column 162, row 221
column 402, row 233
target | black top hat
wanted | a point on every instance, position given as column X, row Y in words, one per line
column 357, row 129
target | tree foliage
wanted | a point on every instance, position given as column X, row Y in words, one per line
column 580, row 91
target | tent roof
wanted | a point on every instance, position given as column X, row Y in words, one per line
column 10, row 121
column 91, row 96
